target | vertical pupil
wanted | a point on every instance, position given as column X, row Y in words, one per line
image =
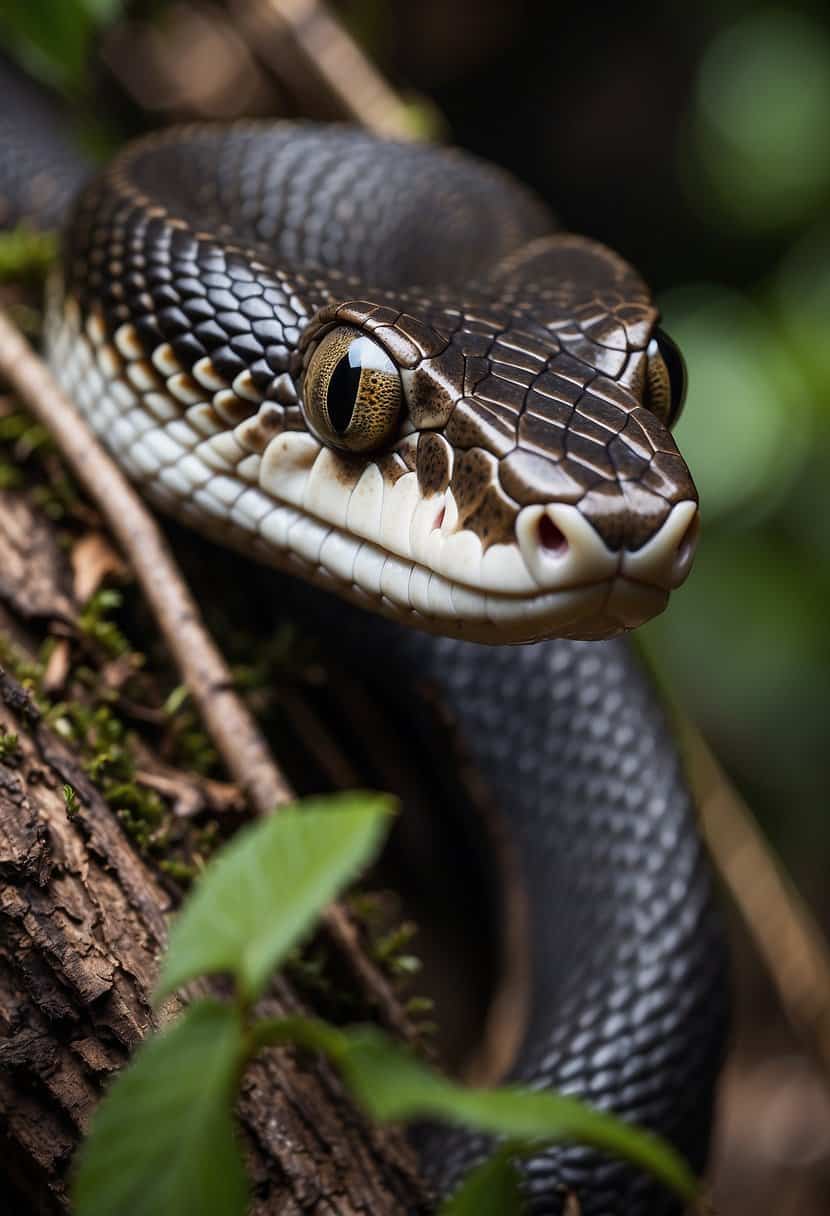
column 675, row 367
column 342, row 391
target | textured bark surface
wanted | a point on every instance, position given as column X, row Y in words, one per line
column 82, row 926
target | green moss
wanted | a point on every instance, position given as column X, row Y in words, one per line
column 28, row 672
column 95, row 623
column 9, row 747
column 309, row 970
column 58, row 498
column 390, row 950
column 26, row 254
column 193, row 747
column 183, row 872
column 91, row 716
column 11, row 477
column 70, row 799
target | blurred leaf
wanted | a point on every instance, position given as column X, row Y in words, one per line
column 747, row 421
column 26, row 253
column 750, row 587
column 265, row 889
column 491, row 1189
column 393, row 1084
column 745, row 648
column 103, row 11
column 760, row 118
column 162, row 1141
column 802, row 296
column 53, row 39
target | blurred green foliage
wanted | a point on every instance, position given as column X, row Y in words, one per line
column 746, row 641
column 53, row 38
column 760, row 117
column 26, row 253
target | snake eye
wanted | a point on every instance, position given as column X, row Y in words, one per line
column 665, row 387
column 351, row 392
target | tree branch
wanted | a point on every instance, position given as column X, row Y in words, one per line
column 82, row 924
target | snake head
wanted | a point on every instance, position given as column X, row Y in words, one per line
column 487, row 455
column 502, row 472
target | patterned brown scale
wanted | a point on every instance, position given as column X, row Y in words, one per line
column 434, row 463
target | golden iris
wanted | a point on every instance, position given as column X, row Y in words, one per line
column 352, row 391
column 665, row 384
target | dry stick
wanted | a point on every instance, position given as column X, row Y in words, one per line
column 276, row 28
column 203, row 669
column 780, row 924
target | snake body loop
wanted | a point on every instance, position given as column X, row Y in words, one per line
column 377, row 366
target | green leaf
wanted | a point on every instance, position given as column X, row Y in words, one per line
column 491, row 1189
column 265, row 889
column 104, row 12
column 54, row 40
column 745, row 457
column 391, row 1083
column 759, row 116
column 51, row 38
column 162, row 1142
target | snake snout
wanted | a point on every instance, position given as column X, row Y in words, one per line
column 665, row 560
column 562, row 548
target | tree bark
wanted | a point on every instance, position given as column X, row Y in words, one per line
column 82, row 926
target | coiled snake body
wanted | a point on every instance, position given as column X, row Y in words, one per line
column 374, row 365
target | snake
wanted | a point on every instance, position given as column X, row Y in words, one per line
column 381, row 368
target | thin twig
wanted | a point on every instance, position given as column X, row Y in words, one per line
column 781, row 925
column 277, row 29
column 203, row 668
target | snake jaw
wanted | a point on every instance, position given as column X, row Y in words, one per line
column 408, row 555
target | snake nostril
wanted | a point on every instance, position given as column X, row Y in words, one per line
column 685, row 551
column 551, row 537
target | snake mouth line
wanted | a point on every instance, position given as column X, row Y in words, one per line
column 586, row 592
column 404, row 553
column 409, row 592
column 521, row 591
